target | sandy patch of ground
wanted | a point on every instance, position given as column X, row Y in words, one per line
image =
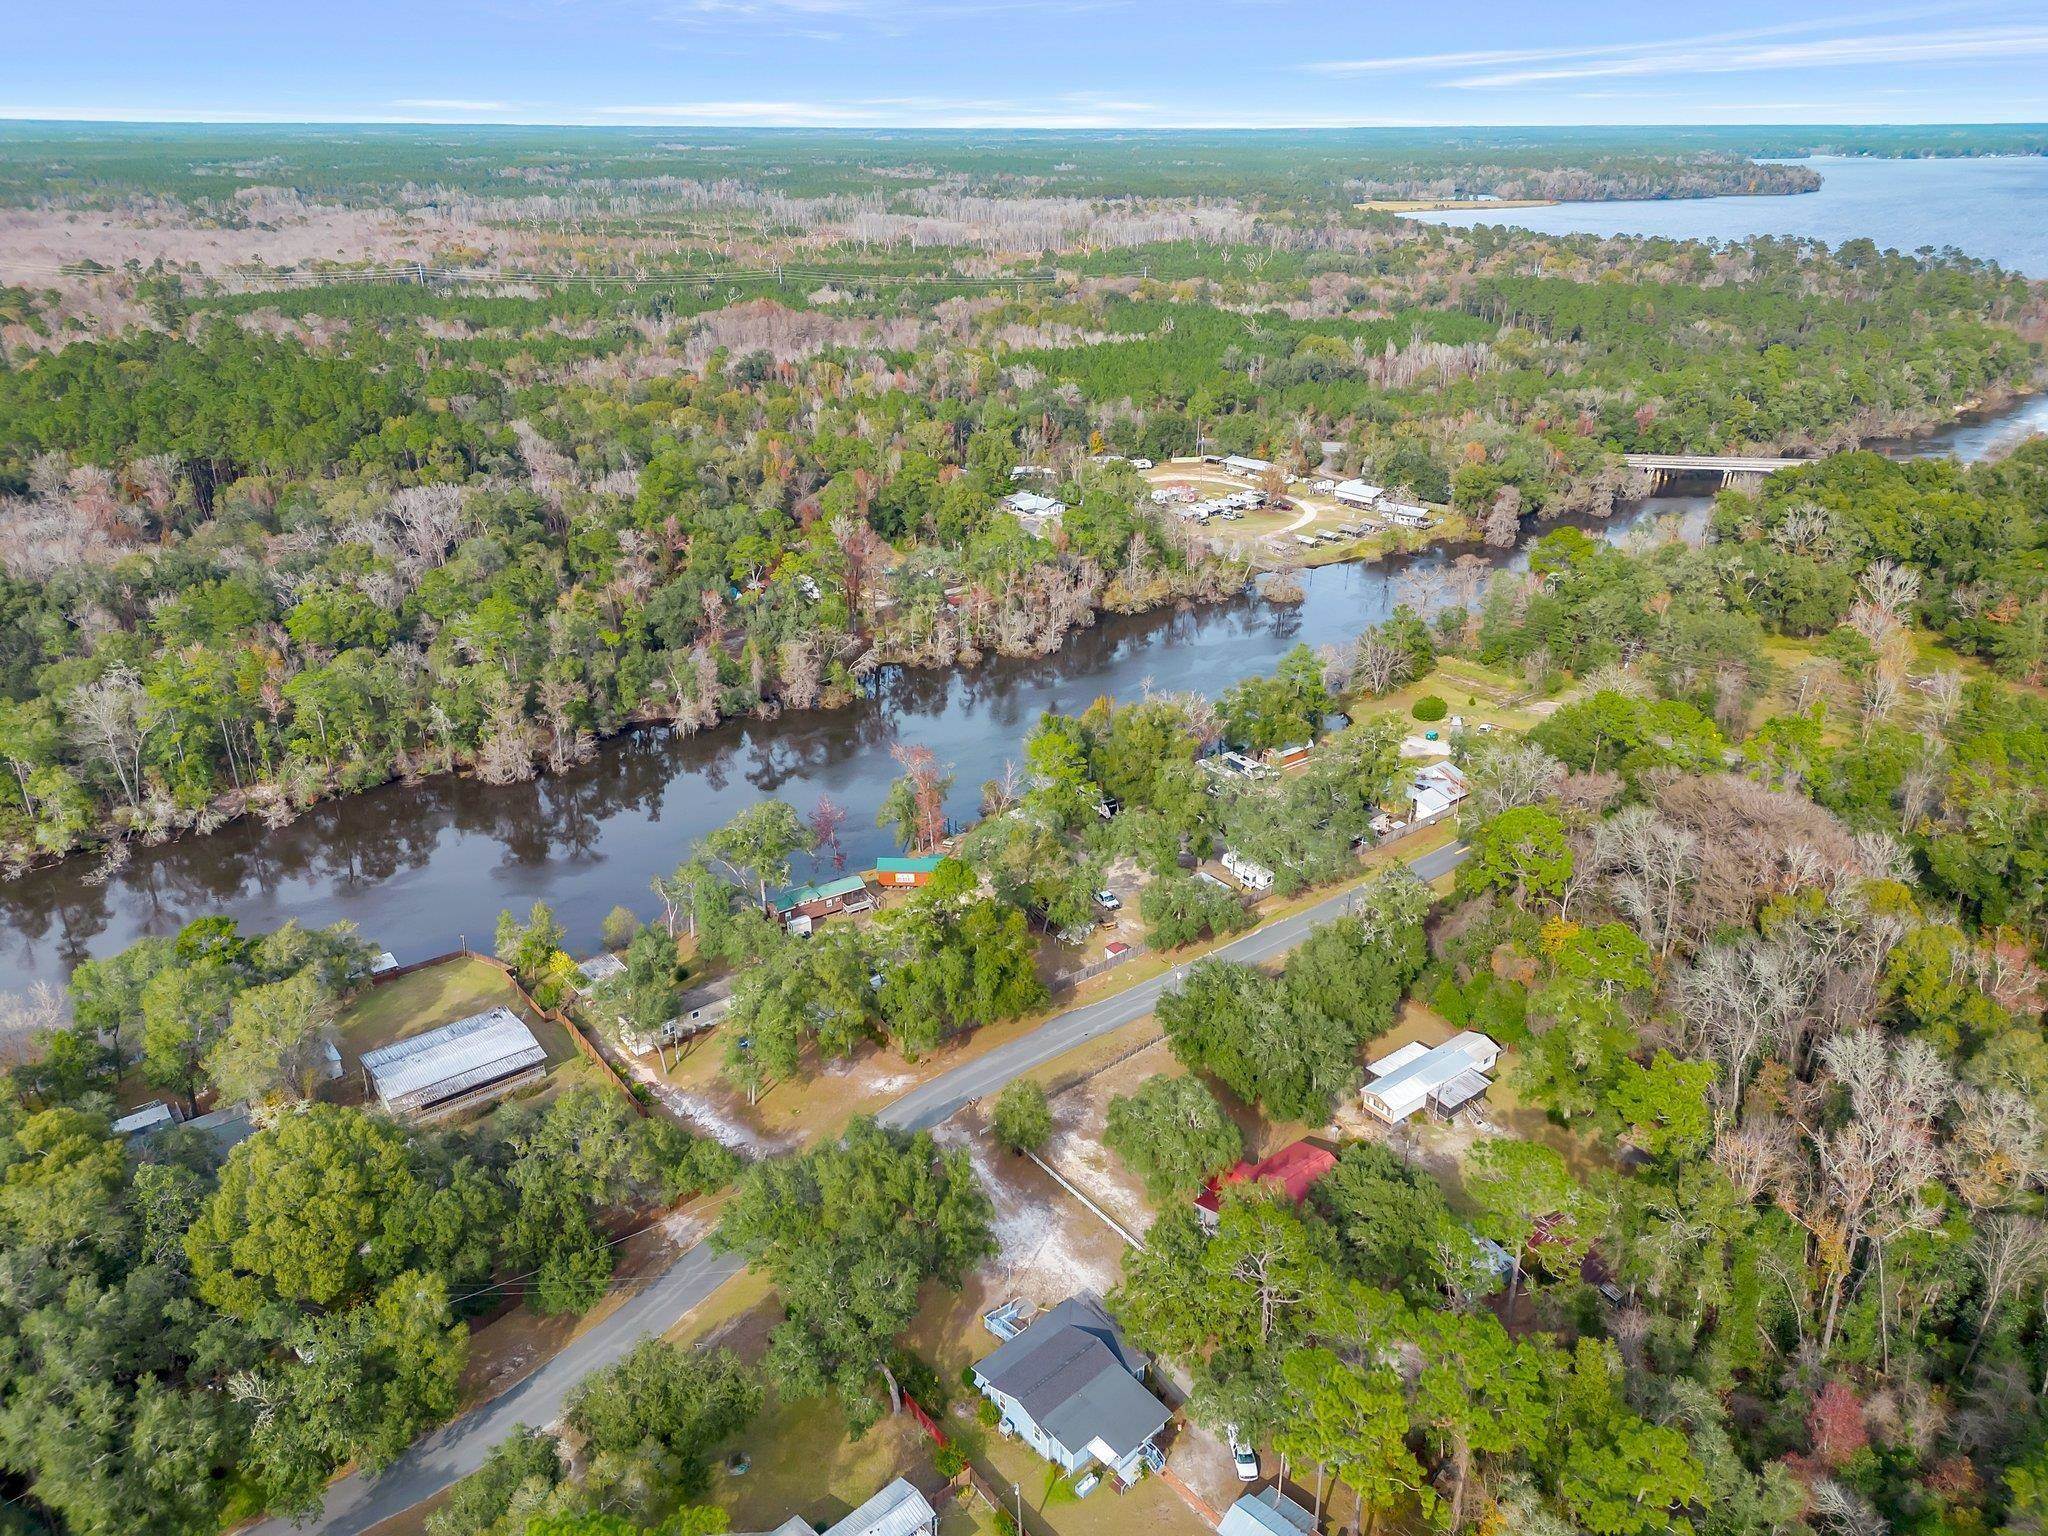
column 703, row 1115
column 1081, row 1115
column 1048, row 1245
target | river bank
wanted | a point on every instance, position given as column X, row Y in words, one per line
column 425, row 867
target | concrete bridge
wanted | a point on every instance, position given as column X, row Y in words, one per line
column 1734, row 468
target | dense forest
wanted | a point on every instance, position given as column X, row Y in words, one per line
column 261, row 544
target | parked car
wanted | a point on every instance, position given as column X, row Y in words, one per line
column 1108, row 901
column 1141, row 463
column 1242, row 1456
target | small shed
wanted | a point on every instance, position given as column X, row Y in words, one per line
column 472, row 1061
column 599, row 969
column 895, row 871
column 384, row 961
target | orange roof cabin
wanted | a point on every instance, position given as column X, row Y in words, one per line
column 907, row 871
column 1294, row 1169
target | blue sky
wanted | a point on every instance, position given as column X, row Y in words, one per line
column 1026, row 63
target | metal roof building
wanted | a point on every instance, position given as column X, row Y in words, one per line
column 1269, row 1512
column 898, row 1510
column 1443, row 1078
column 471, row 1061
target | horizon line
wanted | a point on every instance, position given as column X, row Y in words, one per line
column 42, row 118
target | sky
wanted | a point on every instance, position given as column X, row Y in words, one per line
column 1027, row 63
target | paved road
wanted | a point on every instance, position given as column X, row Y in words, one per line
column 358, row 1502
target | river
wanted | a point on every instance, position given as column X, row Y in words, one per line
column 1996, row 207
column 423, row 867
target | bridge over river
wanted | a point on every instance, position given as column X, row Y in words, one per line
column 1733, row 468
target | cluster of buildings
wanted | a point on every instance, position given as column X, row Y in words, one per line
column 1186, row 506
column 1384, row 510
column 1035, row 513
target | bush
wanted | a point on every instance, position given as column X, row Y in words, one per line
column 1023, row 1120
column 1430, row 707
column 988, row 1413
column 949, row 1461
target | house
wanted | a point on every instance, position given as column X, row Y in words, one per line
column 907, row 871
column 1402, row 515
column 1239, row 464
column 1294, row 1170
column 151, row 1117
column 599, row 969
column 1435, row 790
column 1253, row 877
column 1269, row 1512
column 1289, row 756
column 700, row 1009
column 472, row 1061
column 1356, row 493
column 802, row 905
column 1443, row 1079
column 1034, row 513
column 1071, row 1389
column 898, row 1510
column 225, row 1129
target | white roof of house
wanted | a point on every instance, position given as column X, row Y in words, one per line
column 446, row 1061
column 1244, row 461
column 1395, row 1060
column 1031, row 504
column 1404, row 1088
column 148, row 1118
column 1269, row 1512
column 898, row 1510
column 1359, row 489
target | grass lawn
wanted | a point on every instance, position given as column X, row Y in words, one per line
column 440, row 994
column 803, row 1462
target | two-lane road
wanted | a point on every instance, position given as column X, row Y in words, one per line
column 357, row 1502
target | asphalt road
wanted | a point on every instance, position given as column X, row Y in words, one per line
column 358, row 1502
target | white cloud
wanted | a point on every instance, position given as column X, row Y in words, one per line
column 1698, row 58
column 450, row 104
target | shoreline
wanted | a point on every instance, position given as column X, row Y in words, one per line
column 102, row 859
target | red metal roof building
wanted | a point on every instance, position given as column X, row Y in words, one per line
column 1292, row 1170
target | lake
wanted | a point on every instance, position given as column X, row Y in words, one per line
column 1995, row 208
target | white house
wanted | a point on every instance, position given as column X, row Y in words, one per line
column 700, row 1009
column 1239, row 464
column 1401, row 515
column 1442, row 1079
column 1069, row 1387
column 1436, row 789
column 1356, row 493
column 1034, row 513
column 1253, row 877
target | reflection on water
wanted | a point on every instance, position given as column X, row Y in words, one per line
column 423, row 867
